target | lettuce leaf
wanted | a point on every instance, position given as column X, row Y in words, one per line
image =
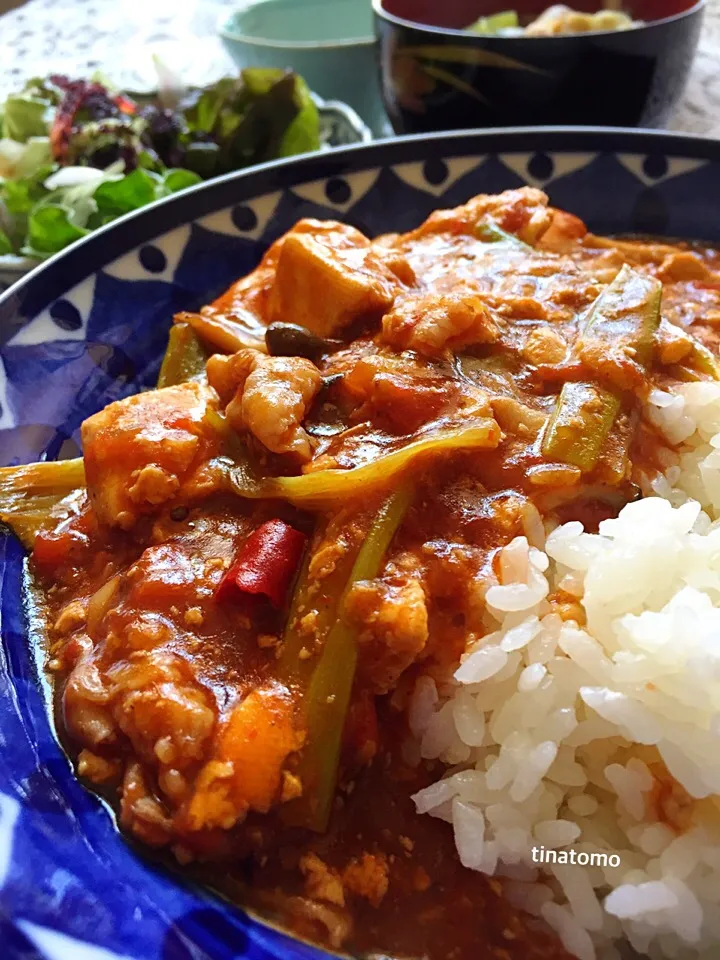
column 239, row 121
column 59, row 205
column 179, row 179
column 303, row 134
column 30, row 112
column 20, row 196
column 23, row 159
column 116, row 197
column 264, row 114
column 24, row 118
column 50, row 229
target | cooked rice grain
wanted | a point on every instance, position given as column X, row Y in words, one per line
column 605, row 738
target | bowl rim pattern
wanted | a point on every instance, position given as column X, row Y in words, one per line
column 48, row 281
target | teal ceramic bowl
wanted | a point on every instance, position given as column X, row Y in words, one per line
column 330, row 43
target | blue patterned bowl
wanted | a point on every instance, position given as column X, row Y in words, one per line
column 90, row 326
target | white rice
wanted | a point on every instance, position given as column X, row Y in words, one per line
column 606, row 737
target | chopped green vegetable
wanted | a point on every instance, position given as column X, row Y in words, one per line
column 24, row 118
column 116, row 197
column 28, row 493
column 50, row 229
column 20, row 196
column 184, row 357
column 704, row 361
column 327, row 697
column 580, row 424
column 323, row 596
column 626, row 314
column 489, row 232
column 291, row 667
column 329, row 486
column 232, row 444
column 178, row 179
column 493, row 24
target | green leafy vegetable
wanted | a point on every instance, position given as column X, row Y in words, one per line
column 203, row 108
column 22, row 159
column 303, row 134
column 29, row 113
column 20, row 196
column 17, row 199
column 133, row 153
column 176, row 180
column 116, row 197
column 327, row 697
column 495, row 23
column 262, row 115
column 24, row 118
column 50, row 229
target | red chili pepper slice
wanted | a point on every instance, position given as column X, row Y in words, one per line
column 265, row 565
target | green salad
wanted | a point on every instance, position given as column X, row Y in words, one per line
column 76, row 154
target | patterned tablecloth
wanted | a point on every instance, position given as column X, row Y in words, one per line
column 81, row 36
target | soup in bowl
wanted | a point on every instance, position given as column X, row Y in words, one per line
column 465, row 64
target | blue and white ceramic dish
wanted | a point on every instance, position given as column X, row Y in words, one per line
column 90, row 326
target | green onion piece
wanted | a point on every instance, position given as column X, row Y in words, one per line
column 489, row 232
column 626, row 314
column 327, row 698
column 29, row 493
column 580, row 424
column 702, row 360
column 185, row 356
column 323, row 487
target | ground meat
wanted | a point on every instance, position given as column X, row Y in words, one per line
column 393, row 628
column 544, row 345
column 368, row 877
column 321, row 882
